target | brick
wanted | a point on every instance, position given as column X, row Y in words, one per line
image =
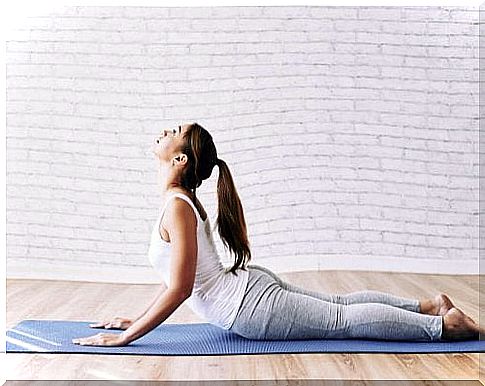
column 347, row 129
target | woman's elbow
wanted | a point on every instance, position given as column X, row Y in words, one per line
column 181, row 293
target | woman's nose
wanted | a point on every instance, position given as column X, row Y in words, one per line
column 162, row 134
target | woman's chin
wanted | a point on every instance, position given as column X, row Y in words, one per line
column 154, row 150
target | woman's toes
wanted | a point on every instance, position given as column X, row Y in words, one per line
column 481, row 331
column 443, row 304
column 458, row 326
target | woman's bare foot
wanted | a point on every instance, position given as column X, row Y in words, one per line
column 458, row 326
column 440, row 305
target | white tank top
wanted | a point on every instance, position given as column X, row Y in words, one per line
column 217, row 294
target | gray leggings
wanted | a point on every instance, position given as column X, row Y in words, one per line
column 273, row 309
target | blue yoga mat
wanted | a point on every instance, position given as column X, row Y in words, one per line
column 55, row 336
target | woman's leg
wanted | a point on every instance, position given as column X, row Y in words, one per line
column 269, row 311
column 367, row 296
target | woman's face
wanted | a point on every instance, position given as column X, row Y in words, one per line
column 169, row 142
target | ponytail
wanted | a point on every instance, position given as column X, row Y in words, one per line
column 202, row 154
column 230, row 220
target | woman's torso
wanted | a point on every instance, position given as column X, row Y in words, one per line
column 217, row 294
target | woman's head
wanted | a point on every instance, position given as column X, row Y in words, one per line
column 189, row 151
column 191, row 155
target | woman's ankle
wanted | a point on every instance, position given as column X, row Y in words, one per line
column 426, row 306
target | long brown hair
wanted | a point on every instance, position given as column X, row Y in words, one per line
column 231, row 225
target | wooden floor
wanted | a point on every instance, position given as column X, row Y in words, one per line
column 84, row 301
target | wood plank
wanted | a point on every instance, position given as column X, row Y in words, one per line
column 47, row 299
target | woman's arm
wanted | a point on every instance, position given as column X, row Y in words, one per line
column 181, row 225
column 164, row 306
column 182, row 228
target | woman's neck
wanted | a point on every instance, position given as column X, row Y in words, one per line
column 168, row 189
column 168, row 184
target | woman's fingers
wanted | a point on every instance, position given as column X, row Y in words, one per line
column 104, row 325
column 88, row 340
column 117, row 322
column 96, row 325
column 100, row 325
column 100, row 339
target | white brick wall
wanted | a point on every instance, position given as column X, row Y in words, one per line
column 351, row 132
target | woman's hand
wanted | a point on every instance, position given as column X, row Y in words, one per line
column 102, row 339
column 116, row 323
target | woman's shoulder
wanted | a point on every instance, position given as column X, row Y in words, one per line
column 188, row 197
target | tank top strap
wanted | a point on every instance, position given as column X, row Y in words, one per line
column 186, row 199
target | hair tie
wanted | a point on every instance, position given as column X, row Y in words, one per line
column 218, row 162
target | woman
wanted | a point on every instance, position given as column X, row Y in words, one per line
column 250, row 300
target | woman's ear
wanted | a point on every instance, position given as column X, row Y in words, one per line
column 181, row 158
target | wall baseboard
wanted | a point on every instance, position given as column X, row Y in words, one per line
column 281, row 264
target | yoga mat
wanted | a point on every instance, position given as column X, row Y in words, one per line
column 55, row 336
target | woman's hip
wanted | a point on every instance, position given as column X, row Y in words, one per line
column 260, row 301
